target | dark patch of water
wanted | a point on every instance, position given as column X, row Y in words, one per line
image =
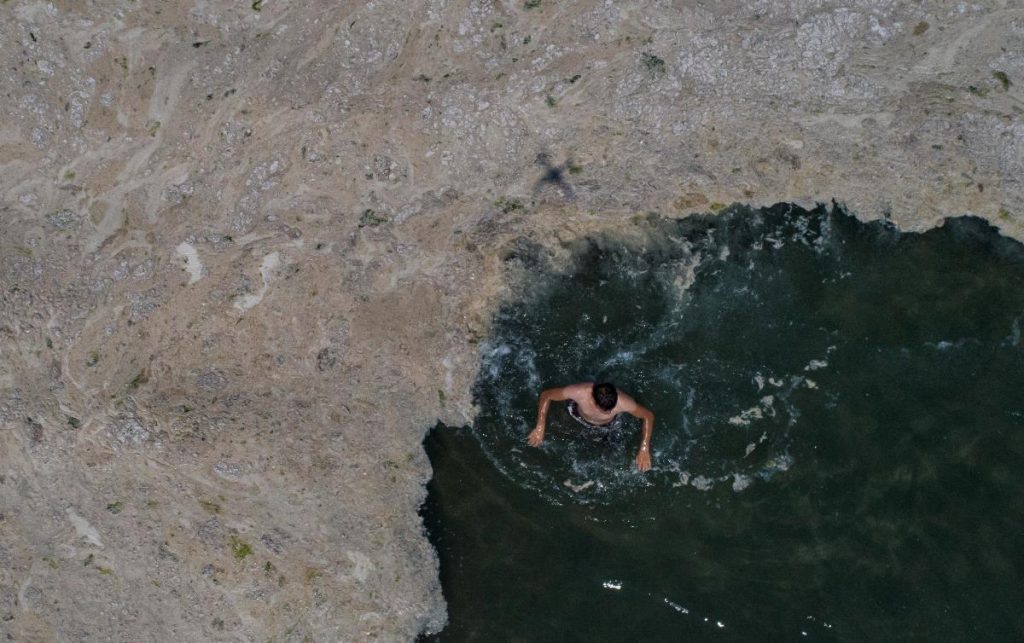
column 838, row 451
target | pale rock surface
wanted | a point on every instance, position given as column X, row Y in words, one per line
column 248, row 249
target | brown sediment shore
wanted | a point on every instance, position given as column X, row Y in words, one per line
column 249, row 250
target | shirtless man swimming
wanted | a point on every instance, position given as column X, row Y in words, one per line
column 595, row 405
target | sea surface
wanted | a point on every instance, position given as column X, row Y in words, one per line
column 838, row 450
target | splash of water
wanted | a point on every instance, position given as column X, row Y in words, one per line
column 679, row 321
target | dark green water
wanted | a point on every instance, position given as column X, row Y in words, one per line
column 838, row 452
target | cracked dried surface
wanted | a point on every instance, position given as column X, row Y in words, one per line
column 248, row 250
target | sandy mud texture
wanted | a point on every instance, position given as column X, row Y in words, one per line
column 248, row 250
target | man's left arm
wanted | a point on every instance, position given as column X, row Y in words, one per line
column 643, row 456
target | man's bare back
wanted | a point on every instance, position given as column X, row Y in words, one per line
column 597, row 404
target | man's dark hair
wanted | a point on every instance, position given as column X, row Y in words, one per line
column 605, row 396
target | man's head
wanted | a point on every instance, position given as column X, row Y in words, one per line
column 605, row 396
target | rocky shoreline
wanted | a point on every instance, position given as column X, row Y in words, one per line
column 249, row 251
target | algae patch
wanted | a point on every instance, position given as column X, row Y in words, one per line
column 239, row 548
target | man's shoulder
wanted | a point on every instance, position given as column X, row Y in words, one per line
column 625, row 404
column 569, row 392
column 574, row 391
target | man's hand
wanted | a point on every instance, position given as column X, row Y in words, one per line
column 643, row 459
column 536, row 436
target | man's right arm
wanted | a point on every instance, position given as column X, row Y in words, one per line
column 547, row 396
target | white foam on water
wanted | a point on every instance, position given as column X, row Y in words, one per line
column 576, row 488
column 753, row 445
column 747, row 416
column 945, row 345
column 676, row 606
column 776, row 465
column 685, row 274
column 490, row 357
column 702, row 482
column 764, row 408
